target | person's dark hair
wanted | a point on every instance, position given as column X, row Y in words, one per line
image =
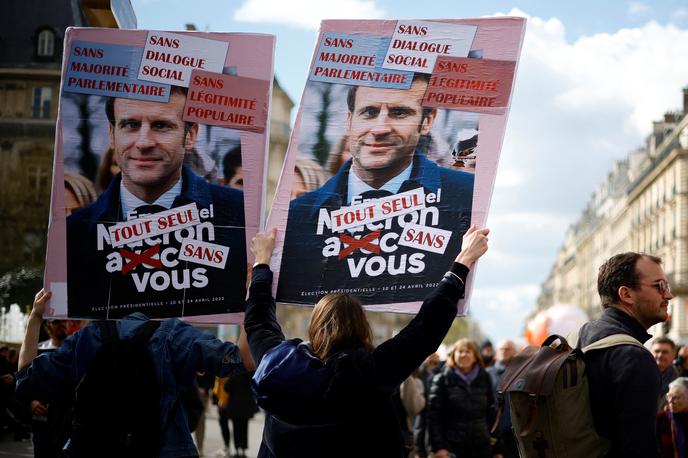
column 110, row 107
column 665, row 340
column 351, row 96
column 338, row 322
column 105, row 175
column 618, row 271
column 231, row 162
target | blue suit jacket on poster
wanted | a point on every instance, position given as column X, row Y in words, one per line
column 180, row 289
column 402, row 275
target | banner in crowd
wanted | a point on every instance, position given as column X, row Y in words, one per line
column 393, row 156
column 159, row 167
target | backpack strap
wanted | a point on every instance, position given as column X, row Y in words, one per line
column 500, row 411
column 612, row 341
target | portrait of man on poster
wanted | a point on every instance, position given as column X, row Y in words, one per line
column 384, row 129
column 149, row 142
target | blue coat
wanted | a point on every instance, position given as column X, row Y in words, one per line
column 92, row 290
column 306, row 274
column 178, row 351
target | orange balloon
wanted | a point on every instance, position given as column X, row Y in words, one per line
column 536, row 330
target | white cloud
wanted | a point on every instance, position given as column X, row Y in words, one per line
column 510, row 178
column 500, row 311
column 306, row 14
column 639, row 9
column 578, row 106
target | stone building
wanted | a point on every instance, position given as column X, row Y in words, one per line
column 641, row 206
column 31, row 35
column 280, row 130
column 31, row 51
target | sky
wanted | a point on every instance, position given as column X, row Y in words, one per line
column 591, row 79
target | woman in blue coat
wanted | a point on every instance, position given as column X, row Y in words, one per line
column 332, row 396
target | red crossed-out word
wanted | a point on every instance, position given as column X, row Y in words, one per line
column 364, row 243
column 144, row 258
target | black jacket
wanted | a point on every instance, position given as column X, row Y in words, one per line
column 242, row 402
column 460, row 415
column 341, row 407
column 624, row 385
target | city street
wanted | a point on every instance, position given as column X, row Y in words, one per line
column 213, row 438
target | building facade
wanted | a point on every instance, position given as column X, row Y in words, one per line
column 31, row 37
column 641, row 206
column 31, row 51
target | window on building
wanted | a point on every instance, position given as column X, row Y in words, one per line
column 42, row 98
column 46, row 44
column 39, row 180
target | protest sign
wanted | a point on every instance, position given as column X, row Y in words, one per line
column 392, row 157
column 152, row 125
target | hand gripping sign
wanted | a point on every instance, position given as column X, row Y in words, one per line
column 152, row 125
column 393, row 157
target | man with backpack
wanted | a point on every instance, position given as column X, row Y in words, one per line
column 624, row 379
column 126, row 378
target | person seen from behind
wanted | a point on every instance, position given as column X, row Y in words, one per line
column 332, row 396
column 176, row 351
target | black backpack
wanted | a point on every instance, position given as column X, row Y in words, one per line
column 116, row 410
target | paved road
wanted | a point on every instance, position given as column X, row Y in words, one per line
column 213, row 438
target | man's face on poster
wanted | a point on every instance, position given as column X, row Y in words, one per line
column 384, row 129
column 149, row 142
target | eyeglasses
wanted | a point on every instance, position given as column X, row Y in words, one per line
column 662, row 286
column 674, row 397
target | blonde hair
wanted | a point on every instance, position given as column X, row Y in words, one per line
column 472, row 346
column 311, row 172
column 82, row 187
column 338, row 322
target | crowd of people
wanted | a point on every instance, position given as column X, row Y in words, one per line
column 338, row 392
column 139, row 388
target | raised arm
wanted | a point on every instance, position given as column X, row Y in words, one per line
column 397, row 358
column 29, row 348
column 262, row 329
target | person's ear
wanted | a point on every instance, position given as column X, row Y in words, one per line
column 111, row 138
column 428, row 120
column 191, row 134
column 626, row 295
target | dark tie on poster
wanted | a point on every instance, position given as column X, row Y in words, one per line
column 148, row 210
column 375, row 194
